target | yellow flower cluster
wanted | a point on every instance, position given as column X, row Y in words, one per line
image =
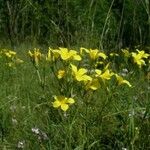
column 10, row 57
column 80, row 68
column 93, row 53
column 138, row 57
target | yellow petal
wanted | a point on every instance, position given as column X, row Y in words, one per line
column 94, row 54
column 106, row 75
column 102, row 55
column 79, row 78
column 77, row 57
column 72, row 52
column 86, row 78
column 82, row 71
column 98, row 72
column 49, row 55
column 30, row 53
column 12, row 52
column 83, row 49
column 70, row 101
column 122, row 81
column 56, row 104
column 64, row 107
column 127, row 82
column 74, row 68
column 94, row 84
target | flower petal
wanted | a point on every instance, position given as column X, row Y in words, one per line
column 64, row 107
column 70, row 101
column 56, row 104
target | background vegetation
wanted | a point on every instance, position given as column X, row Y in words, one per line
column 94, row 23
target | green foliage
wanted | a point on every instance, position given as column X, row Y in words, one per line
column 104, row 24
column 113, row 117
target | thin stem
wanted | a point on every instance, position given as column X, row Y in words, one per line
column 39, row 76
column 106, row 20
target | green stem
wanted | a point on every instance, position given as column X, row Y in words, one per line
column 39, row 76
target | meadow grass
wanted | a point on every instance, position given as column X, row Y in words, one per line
column 113, row 117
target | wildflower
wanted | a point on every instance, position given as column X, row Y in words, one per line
column 40, row 134
column 35, row 130
column 138, row 57
column 49, row 55
column 21, row 144
column 83, row 49
column 10, row 54
column 61, row 74
column 43, row 136
column 80, row 75
column 104, row 76
column 66, row 54
column 93, row 84
column 122, row 81
column 93, row 53
column 126, row 52
column 62, row 102
column 35, row 56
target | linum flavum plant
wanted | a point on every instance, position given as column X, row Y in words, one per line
column 9, row 58
column 76, row 73
column 62, row 102
column 139, row 57
column 35, row 56
column 82, row 98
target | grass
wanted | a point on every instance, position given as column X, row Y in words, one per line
column 113, row 117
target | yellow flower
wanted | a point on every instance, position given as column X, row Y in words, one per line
column 104, row 76
column 138, row 57
column 62, row 102
column 49, row 55
column 66, row 54
column 93, row 84
column 98, row 72
column 35, row 56
column 10, row 53
column 80, row 75
column 52, row 54
column 83, row 49
column 61, row 74
column 93, row 53
column 126, row 52
column 122, row 81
